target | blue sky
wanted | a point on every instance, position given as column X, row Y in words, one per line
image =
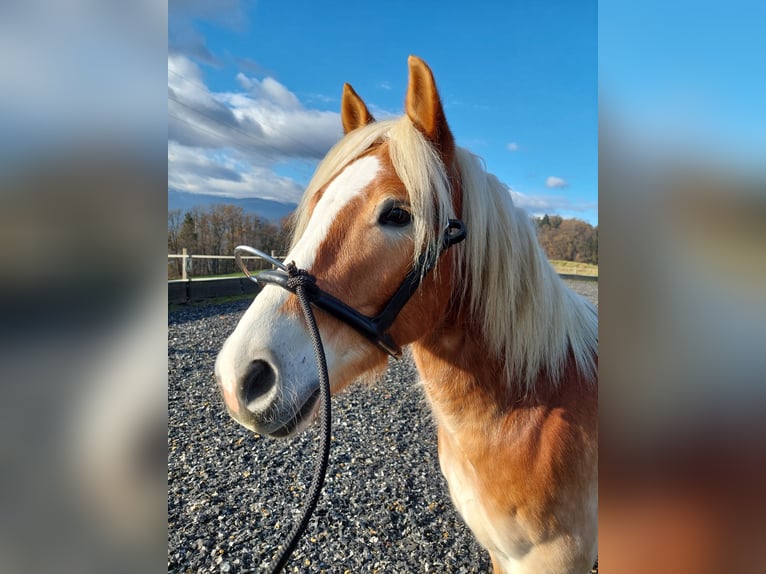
column 685, row 79
column 254, row 90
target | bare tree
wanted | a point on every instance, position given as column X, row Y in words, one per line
column 174, row 228
column 217, row 230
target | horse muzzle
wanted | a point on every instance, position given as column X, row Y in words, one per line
column 267, row 378
column 257, row 402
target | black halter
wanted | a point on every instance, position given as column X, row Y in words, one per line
column 374, row 328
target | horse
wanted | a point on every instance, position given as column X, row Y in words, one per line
column 506, row 354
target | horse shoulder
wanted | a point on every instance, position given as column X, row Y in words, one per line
column 527, row 484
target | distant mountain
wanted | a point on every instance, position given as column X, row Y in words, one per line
column 265, row 208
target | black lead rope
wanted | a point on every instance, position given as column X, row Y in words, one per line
column 300, row 281
column 376, row 329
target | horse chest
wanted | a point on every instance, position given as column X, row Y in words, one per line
column 500, row 532
column 501, row 516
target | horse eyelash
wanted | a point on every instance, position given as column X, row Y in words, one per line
column 383, row 218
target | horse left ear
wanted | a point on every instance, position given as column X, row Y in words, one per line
column 424, row 107
column 353, row 111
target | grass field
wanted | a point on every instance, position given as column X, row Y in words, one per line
column 572, row 268
column 222, row 276
column 567, row 267
column 225, row 275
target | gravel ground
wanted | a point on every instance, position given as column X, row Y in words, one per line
column 233, row 496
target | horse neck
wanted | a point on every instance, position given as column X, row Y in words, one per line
column 456, row 371
column 467, row 388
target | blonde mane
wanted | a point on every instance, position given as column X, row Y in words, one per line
column 530, row 320
column 416, row 163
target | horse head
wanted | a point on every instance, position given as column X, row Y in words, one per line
column 376, row 207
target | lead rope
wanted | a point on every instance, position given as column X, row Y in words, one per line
column 302, row 282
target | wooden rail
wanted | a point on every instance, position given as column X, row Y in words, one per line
column 200, row 288
column 187, row 258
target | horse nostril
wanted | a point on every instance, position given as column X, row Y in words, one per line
column 257, row 382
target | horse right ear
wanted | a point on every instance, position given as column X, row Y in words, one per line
column 353, row 111
column 424, row 107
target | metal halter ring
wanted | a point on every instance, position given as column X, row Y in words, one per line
column 258, row 253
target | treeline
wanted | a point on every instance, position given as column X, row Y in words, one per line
column 568, row 239
column 217, row 230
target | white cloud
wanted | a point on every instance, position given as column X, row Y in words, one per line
column 228, row 143
column 553, row 182
column 267, row 122
column 269, row 90
column 280, row 125
column 513, row 146
column 539, row 205
column 208, row 171
column 381, row 113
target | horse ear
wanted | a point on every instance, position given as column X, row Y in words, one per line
column 353, row 111
column 424, row 107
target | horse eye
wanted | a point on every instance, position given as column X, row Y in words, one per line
column 395, row 216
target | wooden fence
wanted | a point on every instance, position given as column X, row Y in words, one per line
column 184, row 285
column 187, row 271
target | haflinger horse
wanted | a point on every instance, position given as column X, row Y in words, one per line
column 506, row 353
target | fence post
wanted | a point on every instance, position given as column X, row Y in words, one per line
column 183, row 264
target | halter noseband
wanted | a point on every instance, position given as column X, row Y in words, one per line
column 373, row 328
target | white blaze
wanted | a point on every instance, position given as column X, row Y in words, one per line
column 263, row 332
column 349, row 183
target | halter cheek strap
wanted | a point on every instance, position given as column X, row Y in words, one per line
column 373, row 328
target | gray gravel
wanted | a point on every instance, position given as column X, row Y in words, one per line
column 233, row 496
